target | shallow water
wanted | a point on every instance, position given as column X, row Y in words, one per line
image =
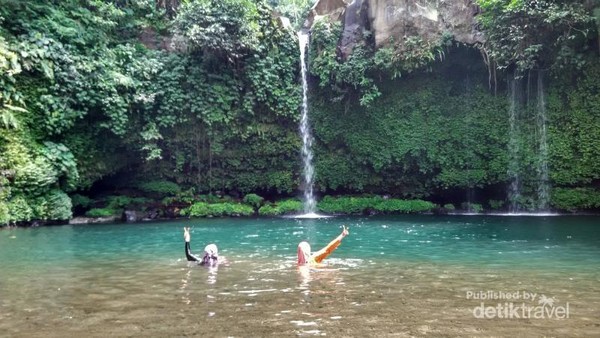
column 400, row 276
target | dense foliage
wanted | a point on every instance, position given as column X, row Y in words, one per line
column 82, row 99
column 191, row 105
column 377, row 204
column 355, row 77
column 423, row 135
column 536, row 34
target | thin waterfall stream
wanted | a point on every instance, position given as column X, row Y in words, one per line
column 535, row 197
column 514, row 192
column 305, row 132
column 543, row 189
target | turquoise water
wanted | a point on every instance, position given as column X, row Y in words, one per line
column 530, row 242
column 129, row 279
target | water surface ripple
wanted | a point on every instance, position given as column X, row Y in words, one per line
column 393, row 276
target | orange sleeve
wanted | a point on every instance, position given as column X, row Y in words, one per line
column 326, row 251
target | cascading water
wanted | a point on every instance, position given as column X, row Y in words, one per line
column 539, row 182
column 469, row 147
column 543, row 183
column 514, row 193
column 307, row 155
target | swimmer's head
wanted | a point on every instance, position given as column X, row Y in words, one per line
column 211, row 255
column 303, row 253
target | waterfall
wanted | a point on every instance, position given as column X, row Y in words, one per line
column 543, row 182
column 469, row 146
column 536, row 136
column 514, row 193
column 307, row 139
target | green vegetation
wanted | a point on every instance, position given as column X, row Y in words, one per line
column 535, row 34
column 356, row 76
column 103, row 212
column 575, row 198
column 284, row 207
column 449, row 207
column 173, row 103
column 203, row 209
column 160, row 187
column 496, row 204
column 426, row 135
column 472, row 207
column 254, row 200
column 365, row 205
column 81, row 201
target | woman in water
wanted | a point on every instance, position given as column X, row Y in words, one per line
column 306, row 258
column 211, row 253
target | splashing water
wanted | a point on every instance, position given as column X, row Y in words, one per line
column 307, row 139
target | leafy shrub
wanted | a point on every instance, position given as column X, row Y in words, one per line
column 358, row 205
column 254, row 200
column 56, row 205
column 160, row 187
column 218, row 209
column 19, row 210
column 496, row 204
column 203, row 209
column 4, row 216
column 102, row 212
column 33, row 177
column 243, row 210
column 393, row 205
column 78, row 200
column 209, row 198
column 268, row 210
column 475, row 207
column 289, row 206
column 186, row 196
column 63, row 161
column 199, row 209
column 348, row 204
column 449, row 206
column 572, row 199
column 472, row 207
column 284, row 207
column 121, row 202
column 225, row 28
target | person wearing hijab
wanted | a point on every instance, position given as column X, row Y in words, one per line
column 210, row 256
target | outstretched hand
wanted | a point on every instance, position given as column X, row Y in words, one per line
column 345, row 231
column 186, row 234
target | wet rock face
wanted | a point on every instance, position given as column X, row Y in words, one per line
column 428, row 19
column 399, row 19
column 355, row 22
column 333, row 9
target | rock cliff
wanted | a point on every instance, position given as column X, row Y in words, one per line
column 399, row 19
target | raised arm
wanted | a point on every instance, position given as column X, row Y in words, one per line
column 188, row 254
column 320, row 255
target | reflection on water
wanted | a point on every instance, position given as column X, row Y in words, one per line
column 387, row 279
column 173, row 298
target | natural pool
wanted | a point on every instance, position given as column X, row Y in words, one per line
column 392, row 276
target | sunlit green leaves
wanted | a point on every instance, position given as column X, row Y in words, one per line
column 227, row 28
column 534, row 34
